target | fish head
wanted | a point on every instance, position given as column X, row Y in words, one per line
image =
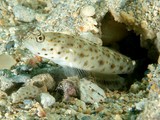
column 35, row 41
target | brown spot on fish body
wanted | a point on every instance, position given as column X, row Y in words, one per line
column 108, row 55
column 101, row 62
column 51, row 49
column 129, row 68
column 59, row 36
column 58, row 41
column 121, row 68
column 81, row 55
column 117, row 58
column 43, row 49
column 70, row 44
column 59, row 53
column 106, row 50
column 86, row 63
column 92, row 58
column 112, row 66
column 80, row 46
column 92, row 66
column 90, row 49
column 103, row 70
column 66, row 58
column 96, row 50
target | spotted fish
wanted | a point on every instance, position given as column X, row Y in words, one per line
column 77, row 52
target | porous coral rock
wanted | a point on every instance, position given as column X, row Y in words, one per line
column 25, row 92
column 152, row 106
column 43, row 80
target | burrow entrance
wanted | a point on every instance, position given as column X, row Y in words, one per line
column 116, row 36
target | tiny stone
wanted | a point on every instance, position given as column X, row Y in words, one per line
column 47, row 100
column 70, row 112
column 117, row 117
column 134, row 88
column 88, row 11
column 81, row 104
column 5, row 84
column 86, row 118
column 3, row 102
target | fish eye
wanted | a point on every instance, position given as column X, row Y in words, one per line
column 40, row 38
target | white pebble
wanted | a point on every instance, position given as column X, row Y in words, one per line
column 87, row 11
column 47, row 100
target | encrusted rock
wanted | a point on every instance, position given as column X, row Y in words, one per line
column 69, row 87
column 151, row 110
column 88, row 91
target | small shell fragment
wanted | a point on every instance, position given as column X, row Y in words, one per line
column 6, row 61
column 90, row 92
